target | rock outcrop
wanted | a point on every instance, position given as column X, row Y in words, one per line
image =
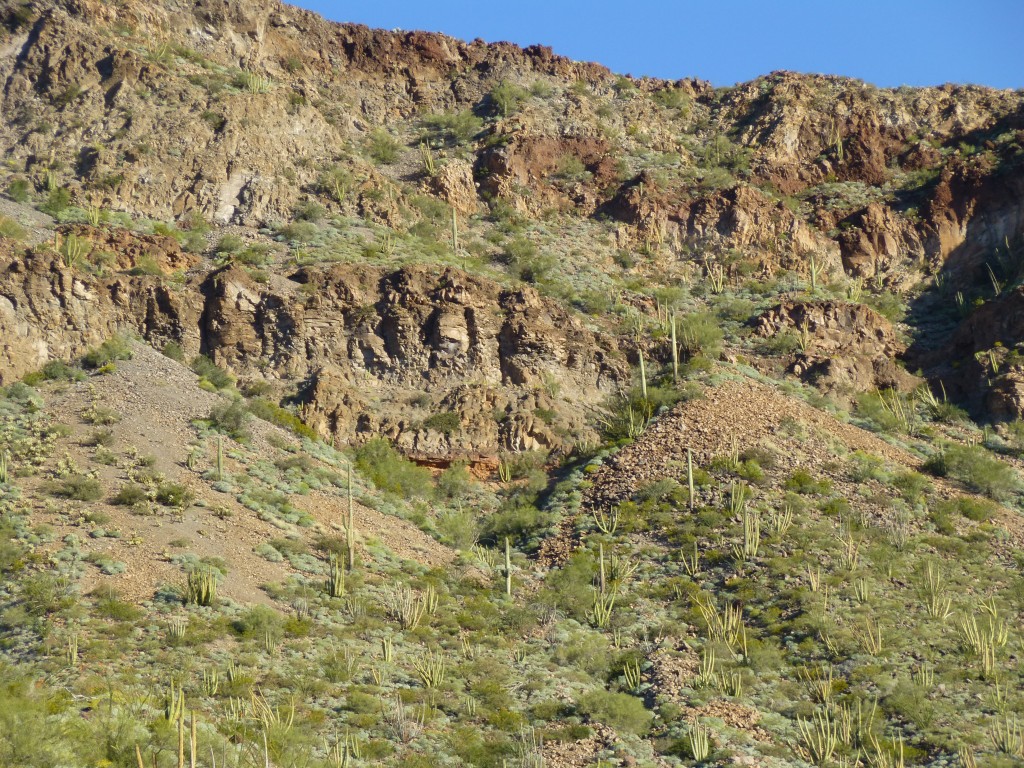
column 374, row 351
column 844, row 348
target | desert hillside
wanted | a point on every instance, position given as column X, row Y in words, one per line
column 379, row 398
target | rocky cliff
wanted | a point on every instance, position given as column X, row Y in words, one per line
column 488, row 165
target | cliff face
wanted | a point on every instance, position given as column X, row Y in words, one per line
column 250, row 115
column 376, row 351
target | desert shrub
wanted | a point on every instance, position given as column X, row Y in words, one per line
column 764, row 457
column 671, row 98
column 115, row 348
column 446, row 423
column 231, row 418
column 173, row 351
column 621, row 711
column 720, row 153
column 146, row 265
column 431, row 209
column 700, row 334
column 11, row 229
column 889, row 410
column 174, row 495
column 458, row 529
column 571, row 168
column 44, row 593
column 452, row 128
column 978, row 509
column 801, row 481
column 383, row 147
column 18, row 190
column 100, row 437
column 255, row 255
column 309, row 210
column 57, row 202
column 282, row 417
column 111, row 604
column 912, row 486
column 300, row 232
column 211, row 373
column 887, row 304
column 595, row 302
column 130, row 494
column 866, row 466
column 387, row 469
column 258, row 622
column 570, row 588
column 336, row 181
column 507, row 97
column 589, row 651
column 229, row 243
column 77, row 487
column 526, row 262
column 101, row 415
column 58, row 370
column 626, row 412
column 973, row 466
column 454, row 481
column 517, row 519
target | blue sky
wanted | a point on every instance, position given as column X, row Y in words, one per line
column 897, row 42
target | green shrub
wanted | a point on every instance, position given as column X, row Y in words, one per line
column 570, row 588
column 259, row 622
column 264, row 409
column 454, row 481
column 173, row 350
column 57, row 202
column 383, row 147
column 889, row 410
column 887, row 304
column 507, row 97
column 300, row 232
column 11, row 229
column 100, row 437
column 801, row 481
column 451, row 129
column 973, row 466
column 978, row 510
column 230, row 418
column 58, row 370
column 671, row 98
column 336, row 182
column 387, row 469
column 517, row 520
column 111, row 604
column 174, row 495
column 100, row 415
column 624, row 713
column 207, row 370
column 700, row 334
column 115, row 348
column 458, row 529
column 526, row 262
column 446, row 423
column 77, row 487
column 309, row 210
column 18, row 190
column 912, row 486
column 130, row 494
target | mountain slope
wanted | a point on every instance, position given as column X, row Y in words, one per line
column 655, row 401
